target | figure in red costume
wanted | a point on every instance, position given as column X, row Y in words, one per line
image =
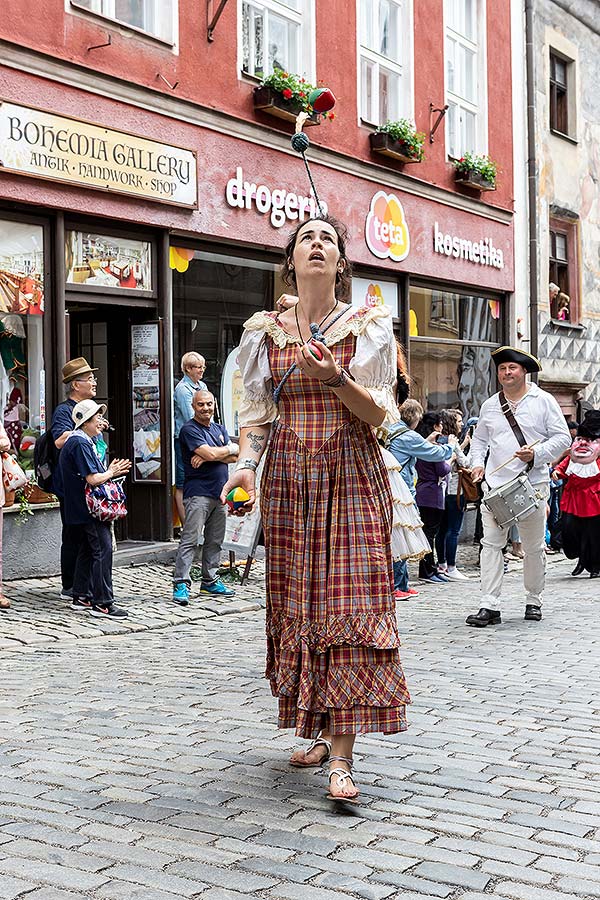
column 580, row 503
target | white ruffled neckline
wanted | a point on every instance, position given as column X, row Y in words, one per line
column 583, row 470
column 354, row 324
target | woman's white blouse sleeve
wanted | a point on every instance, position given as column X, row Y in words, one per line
column 375, row 363
column 257, row 407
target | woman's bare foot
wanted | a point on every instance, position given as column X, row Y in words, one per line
column 4, row 603
column 341, row 785
column 315, row 754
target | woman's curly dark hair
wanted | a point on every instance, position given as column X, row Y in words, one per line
column 343, row 280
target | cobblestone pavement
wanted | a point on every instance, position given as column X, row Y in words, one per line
column 145, row 765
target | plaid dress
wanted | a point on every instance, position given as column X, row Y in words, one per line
column 326, row 506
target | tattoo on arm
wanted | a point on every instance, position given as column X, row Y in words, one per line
column 256, row 441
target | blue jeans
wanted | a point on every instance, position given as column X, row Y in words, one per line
column 400, row 575
column 446, row 541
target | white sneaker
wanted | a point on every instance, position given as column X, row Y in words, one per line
column 455, row 575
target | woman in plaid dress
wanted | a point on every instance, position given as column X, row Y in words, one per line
column 333, row 659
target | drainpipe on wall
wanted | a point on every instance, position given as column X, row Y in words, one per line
column 532, row 183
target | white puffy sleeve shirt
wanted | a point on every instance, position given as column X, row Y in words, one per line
column 373, row 366
column 375, row 362
column 258, row 406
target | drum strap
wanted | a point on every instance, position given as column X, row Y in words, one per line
column 504, row 405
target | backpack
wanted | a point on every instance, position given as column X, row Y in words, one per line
column 45, row 460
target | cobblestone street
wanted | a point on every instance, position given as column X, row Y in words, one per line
column 140, row 759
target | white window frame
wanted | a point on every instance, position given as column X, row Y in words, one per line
column 404, row 69
column 106, row 10
column 480, row 108
column 304, row 17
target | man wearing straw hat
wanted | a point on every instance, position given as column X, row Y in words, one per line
column 80, row 384
column 521, row 428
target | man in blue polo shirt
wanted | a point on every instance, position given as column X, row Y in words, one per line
column 206, row 450
column 79, row 376
column 193, row 366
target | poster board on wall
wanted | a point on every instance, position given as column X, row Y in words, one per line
column 375, row 292
column 232, row 392
column 148, row 462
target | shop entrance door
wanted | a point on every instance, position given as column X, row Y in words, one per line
column 101, row 333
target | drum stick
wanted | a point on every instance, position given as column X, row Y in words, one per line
column 514, row 456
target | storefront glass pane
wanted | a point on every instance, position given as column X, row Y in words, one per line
column 451, row 376
column 450, row 315
column 22, row 383
column 447, row 372
column 212, row 299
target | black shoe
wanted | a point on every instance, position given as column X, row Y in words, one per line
column 110, row 611
column 83, row 603
column 485, row 617
column 533, row 613
column 578, row 570
column 594, row 573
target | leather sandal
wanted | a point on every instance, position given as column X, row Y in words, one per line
column 342, row 776
column 314, row 765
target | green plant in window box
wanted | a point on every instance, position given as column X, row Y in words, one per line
column 25, row 508
column 479, row 172
column 285, row 95
column 400, row 140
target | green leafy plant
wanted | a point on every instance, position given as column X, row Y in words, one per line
column 294, row 89
column 480, row 165
column 406, row 133
column 25, row 508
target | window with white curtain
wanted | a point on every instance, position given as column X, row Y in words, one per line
column 155, row 17
column 275, row 34
column 465, row 77
column 385, row 49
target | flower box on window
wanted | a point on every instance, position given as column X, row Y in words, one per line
column 398, row 140
column 475, row 180
column 273, row 102
column 477, row 172
column 385, row 145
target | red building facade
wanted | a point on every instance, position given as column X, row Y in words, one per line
column 122, row 139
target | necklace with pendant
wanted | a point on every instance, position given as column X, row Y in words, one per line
column 321, row 323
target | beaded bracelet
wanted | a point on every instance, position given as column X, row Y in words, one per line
column 337, row 381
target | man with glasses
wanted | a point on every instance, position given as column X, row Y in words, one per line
column 81, row 384
column 193, row 366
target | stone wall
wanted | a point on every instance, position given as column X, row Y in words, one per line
column 569, row 186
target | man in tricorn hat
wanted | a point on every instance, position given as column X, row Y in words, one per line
column 521, row 428
column 80, row 381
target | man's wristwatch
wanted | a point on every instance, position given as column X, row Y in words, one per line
column 247, row 463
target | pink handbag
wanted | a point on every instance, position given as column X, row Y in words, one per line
column 13, row 476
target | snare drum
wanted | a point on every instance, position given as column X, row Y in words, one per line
column 512, row 501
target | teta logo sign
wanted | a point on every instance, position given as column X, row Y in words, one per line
column 386, row 231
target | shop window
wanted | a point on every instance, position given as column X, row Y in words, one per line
column 563, row 271
column 465, row 77
column 22, row 376
column 154, row 17
column 276, row 35
column 451, row 336
column 385, row 49
column 559, row 93
column 212, row 299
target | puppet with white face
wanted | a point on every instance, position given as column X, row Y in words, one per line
column 580, row 502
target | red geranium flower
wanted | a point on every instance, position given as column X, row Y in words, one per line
column 287, row 93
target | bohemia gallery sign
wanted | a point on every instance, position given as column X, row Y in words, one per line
column 45, row 145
